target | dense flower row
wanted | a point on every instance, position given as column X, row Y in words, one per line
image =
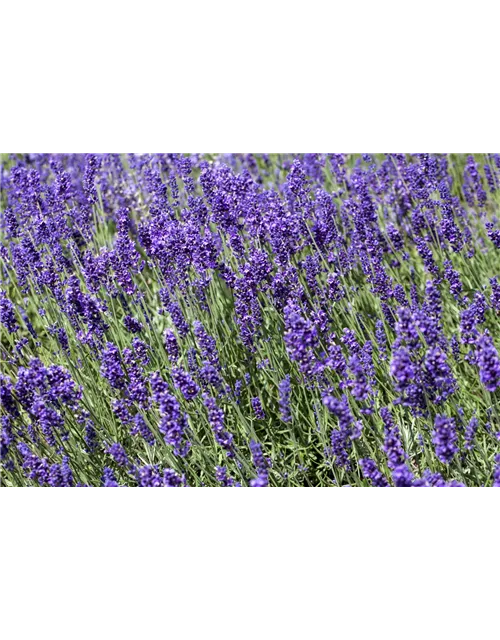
column 250, row 320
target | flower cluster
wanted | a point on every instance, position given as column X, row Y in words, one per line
column 250, row 320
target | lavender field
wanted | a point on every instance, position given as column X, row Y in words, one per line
column 250, row 320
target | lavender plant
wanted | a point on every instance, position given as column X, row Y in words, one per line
column 250, row 320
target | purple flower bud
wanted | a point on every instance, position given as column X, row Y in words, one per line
column 171, row 346
column 185, row 383
column 444, row 438
column 7, row 315
column 108, row 478
column 216, row 420
column 371, row 472
column 258, row 410
column 118, row 453
column 402, row 476
column 132, row 324
column 260, row 464
column 285, row 391
column 488, row 362
column 111, row 367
